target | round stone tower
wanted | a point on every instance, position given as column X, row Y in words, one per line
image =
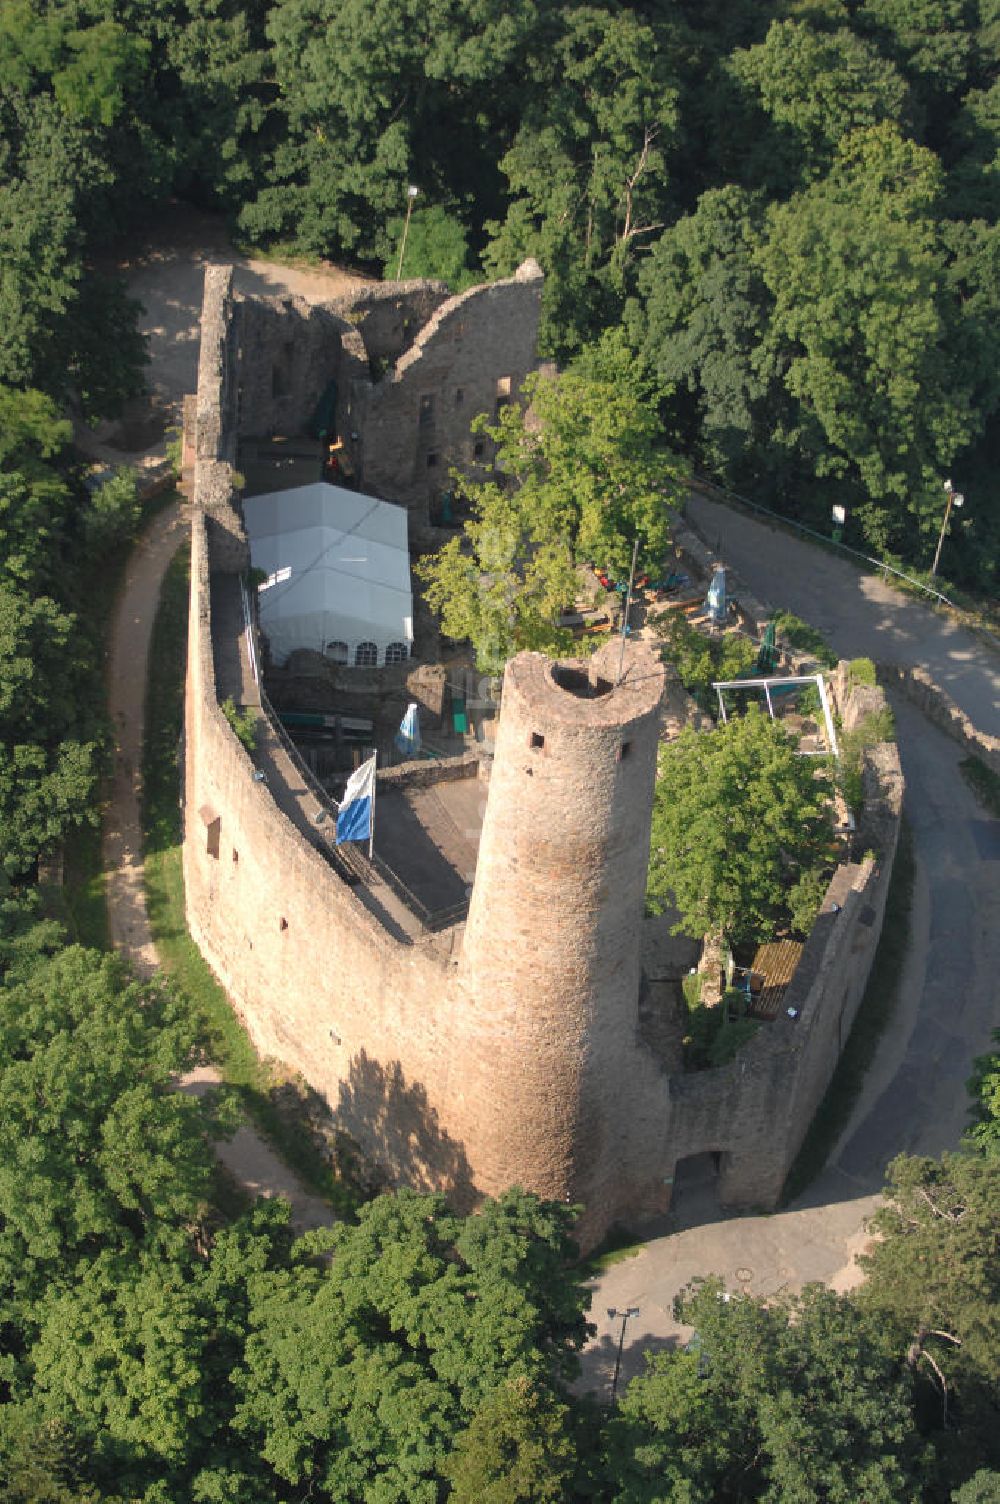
column 550, row 965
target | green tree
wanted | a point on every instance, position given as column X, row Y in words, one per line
column 701, row 660
column 119, row 1356
column 737, row 817
column 107, row 1153
column 371, row 97
column 361, row 1369
column 859, row 334
column 931, row 41
column 933, row 1281
column 704, row 313
column 982, row 1488
column 41, row 1460
column 800, row 1400
column 815, row 86
column 587, row 169
column 516, row 1448
column 436, row 246
column 984, row 1088
column 580, row 481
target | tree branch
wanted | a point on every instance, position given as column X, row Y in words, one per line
column 628, row 233
column 944, row 1387
column 939, row 1211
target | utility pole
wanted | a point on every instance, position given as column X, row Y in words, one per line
column 625, row 1315
column 411, row 194
column 956, row 500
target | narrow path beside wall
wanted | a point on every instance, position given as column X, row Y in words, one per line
column 246, row 1156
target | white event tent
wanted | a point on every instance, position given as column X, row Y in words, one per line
column 337, row 570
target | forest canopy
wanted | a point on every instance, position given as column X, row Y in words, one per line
column 790, row 209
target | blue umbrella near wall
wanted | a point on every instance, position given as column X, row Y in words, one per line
column 408, row 735
column 715, row 602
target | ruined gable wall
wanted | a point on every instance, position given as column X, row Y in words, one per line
column 288, row 351
column 414, row 423
column 390, row 315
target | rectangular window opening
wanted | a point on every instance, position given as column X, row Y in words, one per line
column 536, row 740
column 624, row 750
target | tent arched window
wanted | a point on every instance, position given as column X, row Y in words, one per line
column 336, row 651
column 397, row 652
column 366, row 655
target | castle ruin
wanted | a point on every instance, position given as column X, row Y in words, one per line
column 517, row 1043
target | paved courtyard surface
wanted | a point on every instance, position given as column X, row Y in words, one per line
column 430, row 838
column 914, row 1098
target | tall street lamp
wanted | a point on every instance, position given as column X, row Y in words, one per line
column 955, row 499
column 625, row 1315
column 411, row 194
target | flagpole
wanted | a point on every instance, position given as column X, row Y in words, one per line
column 371, row 818
column 628, row 607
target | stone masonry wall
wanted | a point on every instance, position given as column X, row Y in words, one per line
column 288, row 351
column 938, row 706
column 321, row 986
column 412, row 367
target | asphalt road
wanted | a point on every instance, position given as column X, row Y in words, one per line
column 914, row 1098
column 859, row 613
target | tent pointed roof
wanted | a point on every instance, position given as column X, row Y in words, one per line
column 337, row 568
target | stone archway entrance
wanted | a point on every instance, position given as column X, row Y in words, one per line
column 695, row 1196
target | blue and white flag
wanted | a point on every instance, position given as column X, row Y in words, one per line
column 408, row 735
column 354, row 819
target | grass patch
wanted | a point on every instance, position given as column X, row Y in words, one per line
column 877, row 1007
column 862, row 671
column 84, row 896
column 983, row 782
column 618, row 1246
column 257, row 1086
column 800, row 635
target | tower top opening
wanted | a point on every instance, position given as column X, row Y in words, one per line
column 581, row 679
column 584, row 692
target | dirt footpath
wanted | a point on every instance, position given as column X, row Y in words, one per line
column 167, row 280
